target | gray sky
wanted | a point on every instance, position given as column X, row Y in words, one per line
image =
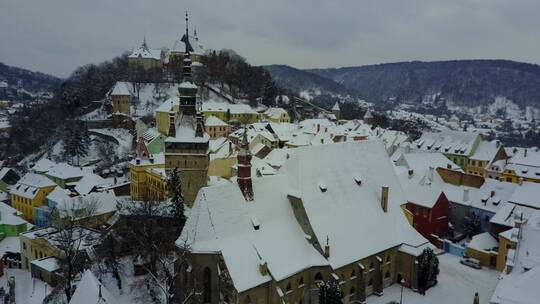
column 56, row 36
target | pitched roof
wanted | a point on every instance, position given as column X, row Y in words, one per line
column 221, row 221
column 28, row 186
column 89, row 289
column 450, row 142
column 213, row 121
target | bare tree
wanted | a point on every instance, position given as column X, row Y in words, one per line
column 73, row 240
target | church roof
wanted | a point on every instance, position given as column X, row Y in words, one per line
column 221, row 221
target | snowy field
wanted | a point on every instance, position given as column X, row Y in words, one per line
column 457, row 284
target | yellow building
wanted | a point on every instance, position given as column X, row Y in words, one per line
column 30, row 192
column 148, row 179
column 166, row 114
column 487, row 153
column 524, row 165
column 277, row 115
column 216, row 127
column 121, row 98
column 483, row 248
column 39, row 244
column 239, row 112
column 222, row 158
column 144, row 59
column 507, row 241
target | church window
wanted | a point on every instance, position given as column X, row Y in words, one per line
column 207, row 283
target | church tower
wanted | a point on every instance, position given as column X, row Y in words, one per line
column 336, row 111
column 186, row 148
column 244, row 169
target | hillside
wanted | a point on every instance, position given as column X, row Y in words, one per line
column 299, row 80
column 24, row 81
column 462, row 82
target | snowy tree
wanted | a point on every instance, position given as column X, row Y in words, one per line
column 175, row 193
column 330, row 293
column 428, row 270
column 270, row 93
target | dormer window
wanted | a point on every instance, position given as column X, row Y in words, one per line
column 255, row 222
column 323, row 187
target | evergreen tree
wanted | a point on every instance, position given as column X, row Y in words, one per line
column 76, row 141
column 269, row 94
column 175, row 193
column 330, row 293
column 428, row 270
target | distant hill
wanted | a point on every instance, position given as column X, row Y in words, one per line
column 30, row 81
column 299, row 80
column 463, row 82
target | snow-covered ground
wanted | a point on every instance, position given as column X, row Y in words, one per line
column 457, row 284
column 27, row 289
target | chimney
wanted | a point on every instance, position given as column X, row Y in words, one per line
column 492, row 193
column 263, row 267
column 384, row 198
column 430, row 173
column 465, row 195
column 448, row 166
column 327, row 248
column 411, row 173
column 244, row 169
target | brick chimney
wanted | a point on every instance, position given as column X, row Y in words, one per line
column 384, row 198
column 244, row 169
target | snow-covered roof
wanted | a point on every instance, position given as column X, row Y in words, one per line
column 492, row 194
column 448, row 142
column 213, row 121
column 58, row 194
column 10, row 244
column 89, row 289
column 167, row 105
column 121, row 88
column 527, row 194
column 275, row 113
column 100, row 202
column 483, row 242
column 145, row 52
column 43, row 165
column 521, row 285
column 66, row 171
column 336, row 107
column 49, row 264
column 221, row 221
column 487, row 150
column 10, row 216
column 185, row 131
column 89, row 182
column 236, row 108
column 277, row 157
column 28, row 186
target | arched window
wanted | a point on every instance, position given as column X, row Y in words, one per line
column 301, row 282
column 371, row 265
column 318, row 277
column 370, row 282
column 247, row 300
column 207, row 285
column 353, row 274
column 388, row 258
column 352, row 291
column 288, row 288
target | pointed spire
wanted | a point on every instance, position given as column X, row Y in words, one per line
column 144, row 44
column 244, row 168
column 195, row 33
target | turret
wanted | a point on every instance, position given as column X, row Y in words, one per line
column 244, row 169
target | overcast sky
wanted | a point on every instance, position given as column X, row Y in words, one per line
column 56, row 36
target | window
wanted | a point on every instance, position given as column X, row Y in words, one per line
column 352, row 291
column 318, row 277
column 387, row 275
column 301, row 282
column 353, row 274
column 370, row 282
column 371, row 265
column 207, row 283
column 388, row 258
column 247, row 300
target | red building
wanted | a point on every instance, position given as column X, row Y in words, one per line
column 431, row 218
